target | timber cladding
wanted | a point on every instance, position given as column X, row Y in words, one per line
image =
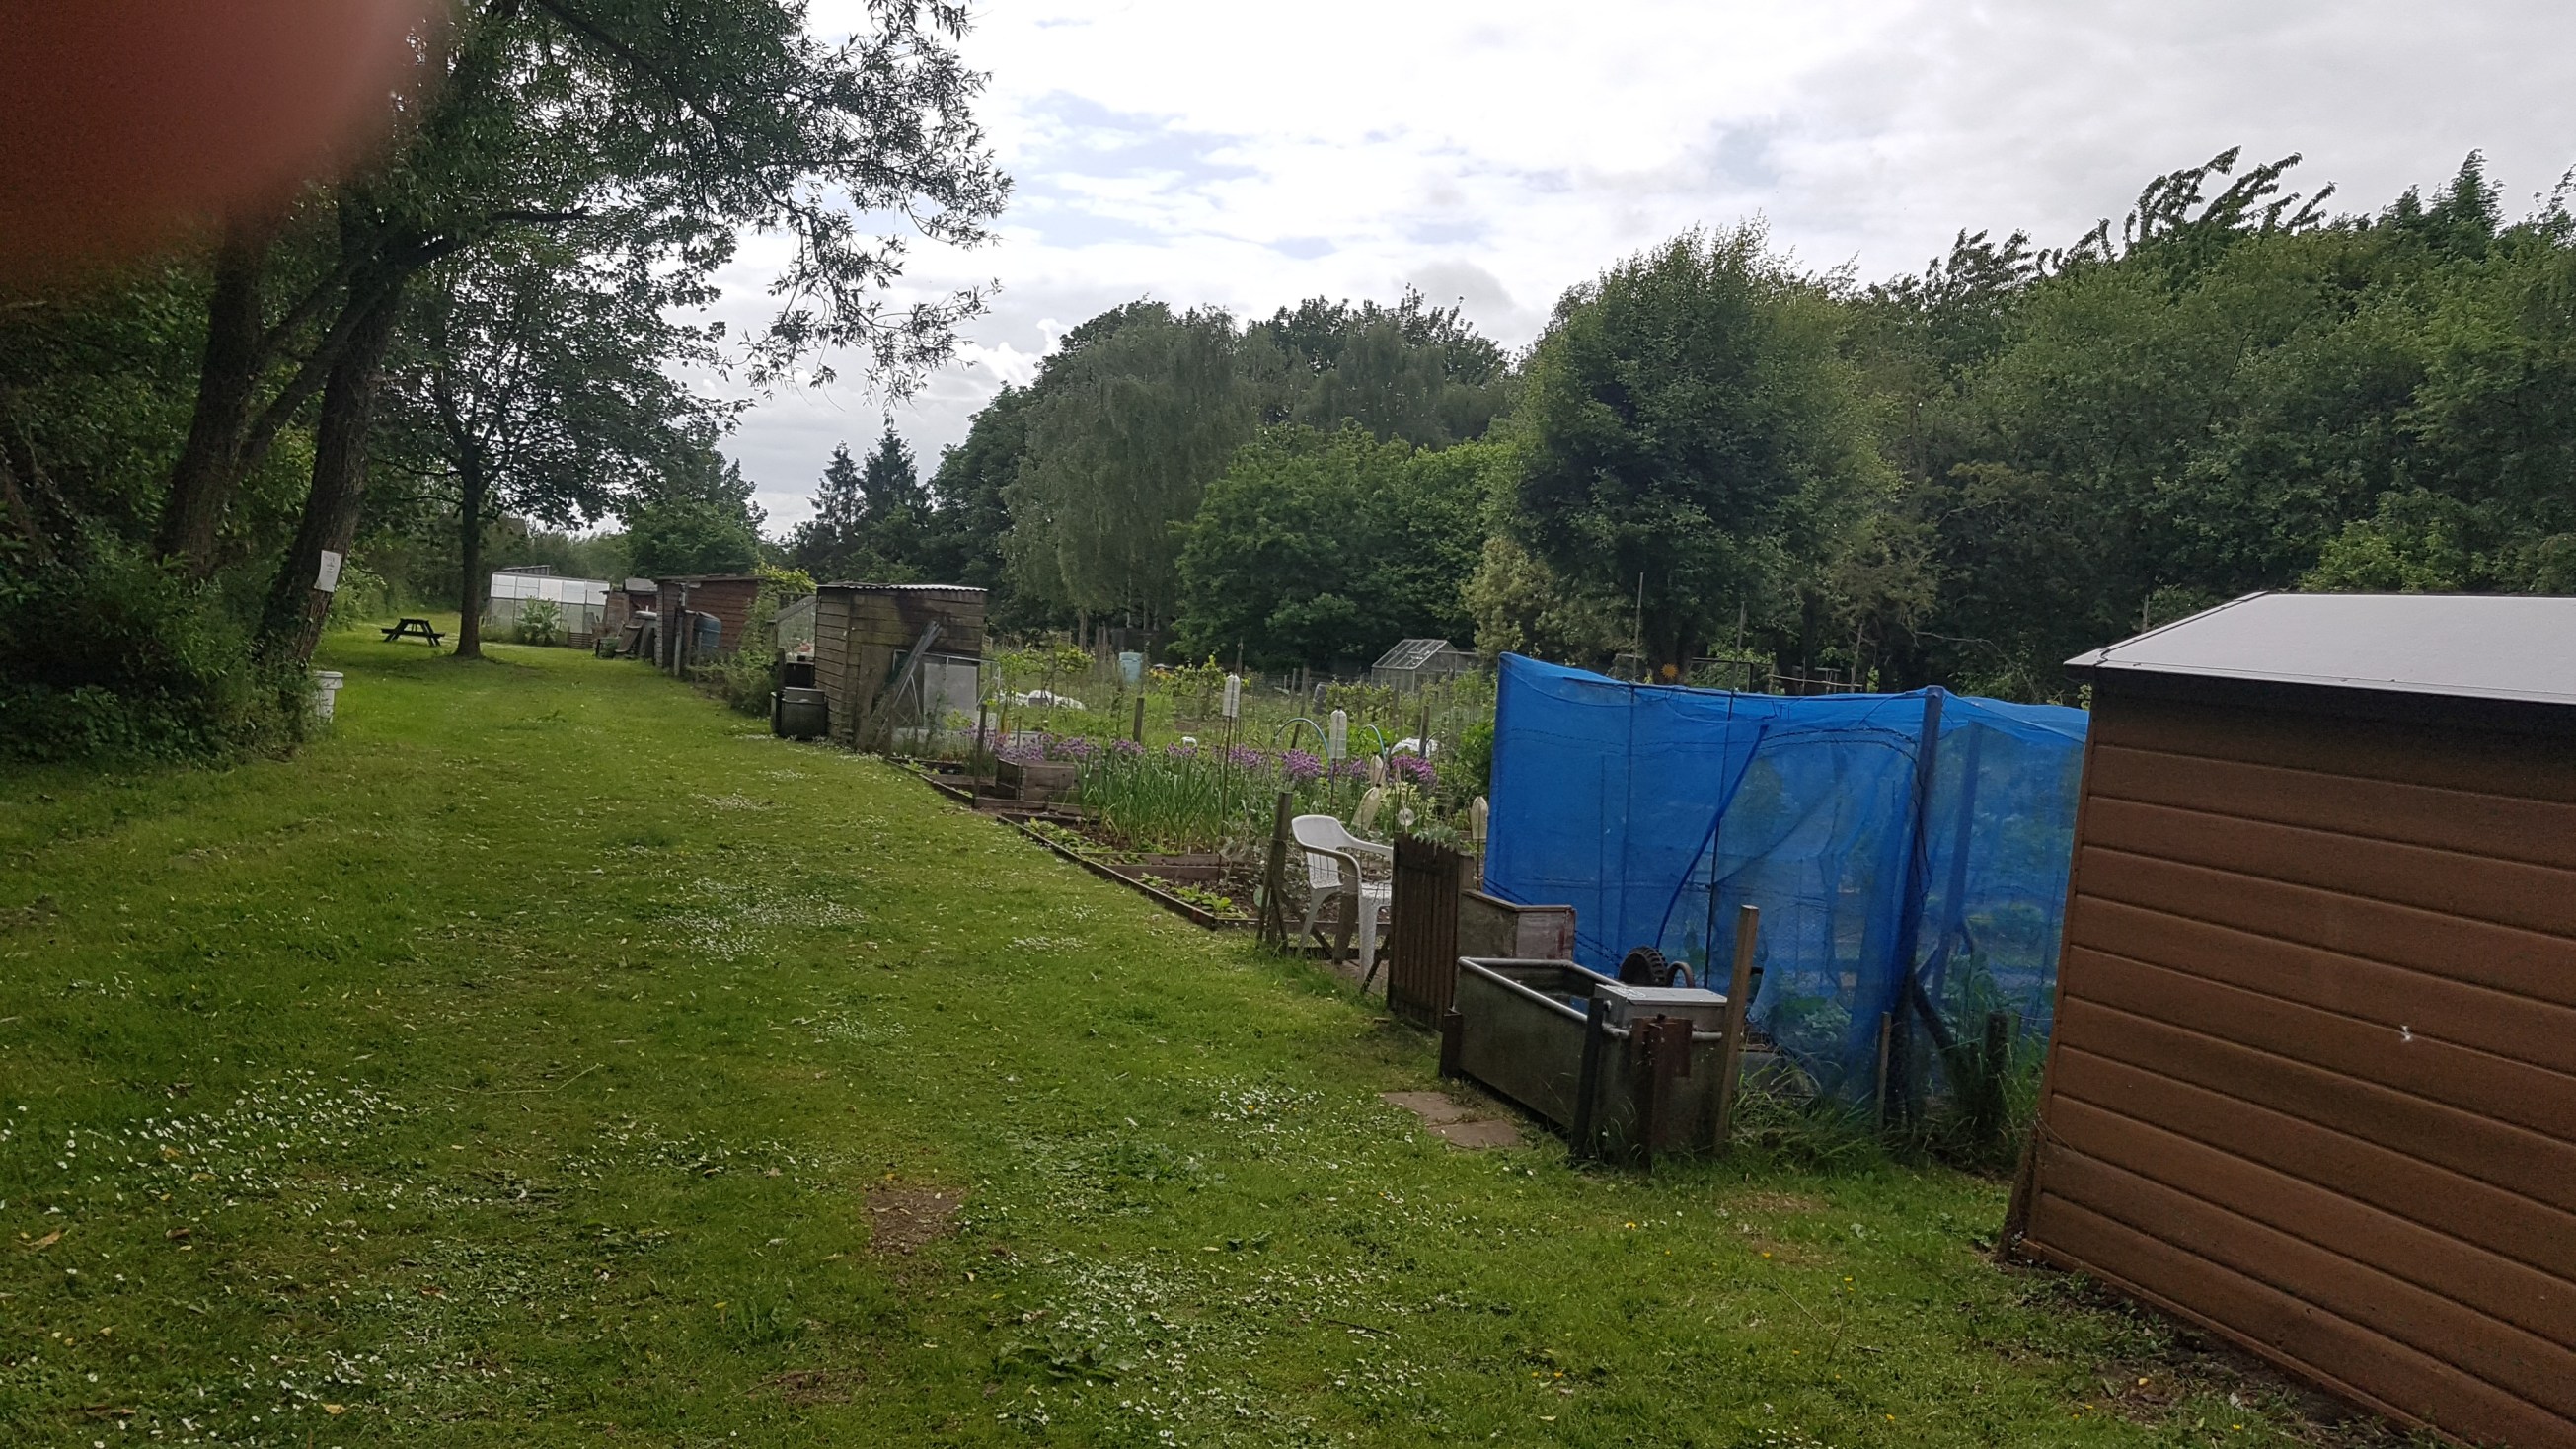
column 862, row 632
column 729, row 597
column 2313, row 1080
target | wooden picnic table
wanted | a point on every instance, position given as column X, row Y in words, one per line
column 407, row 628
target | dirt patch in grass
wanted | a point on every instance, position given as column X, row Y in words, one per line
column 1455, row 1122
column 1795, row 1255
column 1777, row 1202
column 817, row 1385
column 902, row 1219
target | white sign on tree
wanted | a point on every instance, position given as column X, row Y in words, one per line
column 328, row 579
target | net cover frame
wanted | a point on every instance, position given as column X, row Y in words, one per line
column 1628, row 801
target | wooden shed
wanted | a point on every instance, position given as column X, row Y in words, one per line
column 863, row 634
column 729, row 597
column 2313, row 1080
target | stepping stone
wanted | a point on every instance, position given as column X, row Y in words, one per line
column 1454, row 1122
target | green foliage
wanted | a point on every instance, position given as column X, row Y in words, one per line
column 1476, row 754
column 1120, row 449
column 1313, row 548
column 869, row 522
column 2236, row 394
column 963, row 540
column 363, row 597
column 1522, row 606
column 698, row 521
column 539, row 622
column 118, row 655
column 1689, row 422
column 1412, row 372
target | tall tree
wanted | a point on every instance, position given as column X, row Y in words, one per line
column 969, row 519
column 697, row 518
column 824, row 544
column 1318, row 548
column 1411, row 371
column 684, row 122
column 869, row 519
column 532, row 381
column 1119, row 452
column 1691, row 437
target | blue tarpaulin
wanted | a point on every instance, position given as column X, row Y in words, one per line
column 1656, row 810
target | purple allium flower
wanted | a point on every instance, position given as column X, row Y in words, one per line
column 1301, row 766
column 1414, row 768
column 1126, row 749
column 1181, row 750
column 1072, row 747
column 1351, row 770
column 1245, row 757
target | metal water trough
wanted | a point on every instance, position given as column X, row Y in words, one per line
column 1617, row 1068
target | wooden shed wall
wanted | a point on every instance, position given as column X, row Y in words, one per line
column 2313, row 1081
column 861, row 633
column 730, row 600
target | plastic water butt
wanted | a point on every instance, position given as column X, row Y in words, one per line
column 326, row 691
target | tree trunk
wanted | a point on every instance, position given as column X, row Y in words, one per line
column 469, row 597
column 295, row 607
column 209, row 469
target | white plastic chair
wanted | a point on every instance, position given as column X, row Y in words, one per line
column 1333, row 868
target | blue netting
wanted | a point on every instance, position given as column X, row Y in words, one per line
column 1625, row 800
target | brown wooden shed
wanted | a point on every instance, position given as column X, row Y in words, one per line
column 729, row 597
column 2313, row 1080
column 862, row 632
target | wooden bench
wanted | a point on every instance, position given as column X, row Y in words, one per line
column 411, row 628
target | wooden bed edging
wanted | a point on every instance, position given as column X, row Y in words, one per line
column 1163, row 898
column 1197, row 915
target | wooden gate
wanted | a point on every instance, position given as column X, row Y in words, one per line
column 1422, row 944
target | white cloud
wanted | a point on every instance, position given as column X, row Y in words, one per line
column 1495, row 153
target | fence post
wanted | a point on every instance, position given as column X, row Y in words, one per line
column 1274, row 881
column 1739, row 986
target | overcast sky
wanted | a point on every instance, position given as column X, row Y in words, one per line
column 1494, row 153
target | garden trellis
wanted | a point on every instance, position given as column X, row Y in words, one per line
column 1902, row 847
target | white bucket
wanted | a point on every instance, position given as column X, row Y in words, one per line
column 326, row 690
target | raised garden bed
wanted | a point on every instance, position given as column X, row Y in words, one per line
column 1202, row 888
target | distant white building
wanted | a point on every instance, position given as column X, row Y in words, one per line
column 581, row 603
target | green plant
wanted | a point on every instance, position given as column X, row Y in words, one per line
column 113, row 652
column 539, row 622
column 1214, row 903
column 363, row 598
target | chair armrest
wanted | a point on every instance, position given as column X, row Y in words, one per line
column 1382, row 852
column 1350, row 864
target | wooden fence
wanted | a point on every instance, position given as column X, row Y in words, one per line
column 1422, row 944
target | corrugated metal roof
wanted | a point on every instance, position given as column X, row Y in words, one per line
column 2469, row 646
column 903, row 588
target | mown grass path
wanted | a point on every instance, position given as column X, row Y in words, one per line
column 528, row 1062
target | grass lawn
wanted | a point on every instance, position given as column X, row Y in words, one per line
column 550, row 1056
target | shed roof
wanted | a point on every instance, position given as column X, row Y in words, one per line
column 2463, row 646
column 952, row 590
